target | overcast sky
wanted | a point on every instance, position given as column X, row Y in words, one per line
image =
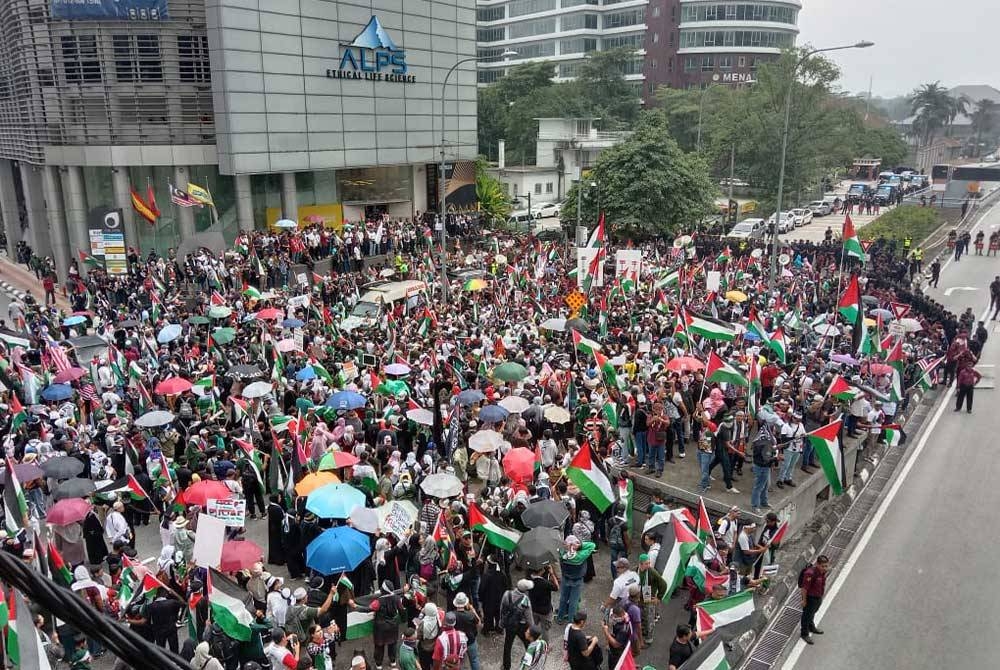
column 916, row 41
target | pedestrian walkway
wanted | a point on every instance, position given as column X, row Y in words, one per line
column 23, row 280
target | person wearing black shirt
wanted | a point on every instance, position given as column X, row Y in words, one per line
column 467, row 621
column 163, row 612
column 582, row 650
column 682, row 647
column 546, row 583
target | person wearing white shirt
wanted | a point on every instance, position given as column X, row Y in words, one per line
column 793, row 435
column 115, row 525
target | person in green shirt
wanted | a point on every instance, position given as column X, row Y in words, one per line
column 537, row 651
column 408, row 659
column 652, row 589
column 573, row 566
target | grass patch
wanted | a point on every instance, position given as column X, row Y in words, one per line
column 911, row 221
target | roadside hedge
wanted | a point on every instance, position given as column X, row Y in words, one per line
column 904, row 221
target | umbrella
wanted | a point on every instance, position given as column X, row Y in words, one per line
column 441, row 485
column 334, row 501
column 339, row 549
column 315, row 480
column 67, row 511
column 27, row 472
column 538, row 547
column 57, row 392
column 73, row 320
column 132, row 323
column 475, row 285
column 736, row 296
column 61, row 467
column 69, row 375
column 493, row 414
column 514, row 404
column 74, row 488
column 239, row 554
column 424, row 417
column 556, row 414
column 545, row 514
column 269, row 313
column 286, row 223
column 304, row 404
column 334, row 460
column 305, row 374
column 346, row 400
column 877, row 369
column 827, row 329
column 87, row 341
column 257, row 390
column 244, row 371
column 397, row 369
column 197, row 320
column 886, row 314
column 685, row 364
column 557, row 325
column 847, row 359
column 220, row 312
column 910, row 325
column 519, row 464
column 577, row 324
column 292, row 323
column 173, row 386
column 201, row 492
column 224, row 335
column 510, row 372
column 869, row 300
column 364, row 519
column 393, row 387
column 154, row 419
column 169, row 333
column 470, row 397
column 485, row 441
column 286, row 345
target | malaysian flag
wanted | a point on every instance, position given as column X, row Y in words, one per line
column 58, row 357
column 179, row 197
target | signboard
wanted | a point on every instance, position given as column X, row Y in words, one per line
column 300, row 339
column 372, row 56
column 299, row 301
column 124, row 10
column 396, row 518
column 302, row 278
column 230, row 512
column 713, row 280
column 628, row 263
column 897, row 329
column 330, row 216
column 736, row 78
column 97, row 242
column 208, row 541
column 115, row 260
column 584, row 258
column 349, row 369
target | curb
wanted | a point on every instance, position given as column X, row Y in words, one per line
column 12, row 290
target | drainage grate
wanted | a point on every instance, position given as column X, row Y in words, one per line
column 841, row 538
column 785, row 625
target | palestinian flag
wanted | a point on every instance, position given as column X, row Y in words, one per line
column 702, row 576
column 24, row 646
column 57, row 566
column 753, row 393
column 841, row 390
column 713, row 614
column 18, row 414
column 228, row 611
column 626, row 498
column 192, row 623
column 584, row 344
column 826, row 442
column 145, row 398
column 852, row 245
column 718, row 370
column 661, row 304
column 89, row 260
column 240, row 408
column 610, row 411
column 725, row 256
column 127, row 484
column 252, row 292
column 607, row 370
column 668, row 280
column 14, row 503
column 278, row 371
column 892, row 434
column 444, row 542
column 322, row 373
column 680, row 328
column 708, row 657
column 867, row 346
column 849, row 304
column 705, row 534
column 590, row 479
column 627, row 661
column 685, row 545
column 778, row 346
column 204, row 385
column 779, row 535
column 360, row 625
column 497, row 535
column 897, row 361
column 217, row 299
column 758, row 329
column 710, row 330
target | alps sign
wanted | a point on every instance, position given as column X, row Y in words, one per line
column 372, row 56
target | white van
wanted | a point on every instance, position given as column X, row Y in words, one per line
column 521, row 219
column 378, row 295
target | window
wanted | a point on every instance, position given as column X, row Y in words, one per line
column 137, row 57
column 523, row 7
column 490, row 34
column 576, row 3
column 740, row 12
column 532, row 28
column 488, row 76
column 506, row 187
column 192, row 56
column 485, row 14
column 623, row 42
column 741, row 61
column 707, row 63
column 656, row 38
column 671, row 42
column 515, row 189
column 569, row 70
column 656, row 12
column 621, row 19
column 534, row 50
column 725, row 62
column 736, row 38
column 670, row 64
column 579, row 22
column 548, row 187
column 577, row 45
column 80, row 60
column 690, row 63
column 633, row 66
column 538, row 188
column 142, row 111
column 652, row 64
column 198, row 108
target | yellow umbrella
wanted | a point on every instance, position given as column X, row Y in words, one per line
column 475, row 285
column 870, row 322
column 313, row 481
column 736, row 296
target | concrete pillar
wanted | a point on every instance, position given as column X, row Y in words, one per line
column 289, row 197
column 57, row 222
column 244, row 202
column 185, row 215
column 123, row 200
column 9, row 208
column 75, row 197
column 34, row 200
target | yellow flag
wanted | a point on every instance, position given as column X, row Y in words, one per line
column 202, row 195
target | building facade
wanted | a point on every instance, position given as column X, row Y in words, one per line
column 677, row 43
column 314, row 110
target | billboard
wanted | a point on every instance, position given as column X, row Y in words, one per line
column 108, row 234
column 123, row 10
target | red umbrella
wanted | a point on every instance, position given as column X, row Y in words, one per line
column 69, row 375
column 269, row 313
column 67, row 511
column 173, row 386
column 877, row 368
column 334, row 460
column 201, row 492
column 685, row 364
column 519, row 464
column 239, row 554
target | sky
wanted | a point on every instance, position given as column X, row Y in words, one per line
column 916, row 41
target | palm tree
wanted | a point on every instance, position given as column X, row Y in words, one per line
column 933, row 109
column 983, row 119
column 959, row 106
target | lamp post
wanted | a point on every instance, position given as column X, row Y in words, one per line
column 443, row 235
column 784, row 148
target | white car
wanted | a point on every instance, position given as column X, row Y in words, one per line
column 786, row 224
column 752, row 229
column 802, row 216
column 546, row 210
column 820, row 207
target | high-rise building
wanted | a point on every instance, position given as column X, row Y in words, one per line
column 677, row 43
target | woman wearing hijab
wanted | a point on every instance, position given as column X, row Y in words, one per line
column 428, row 557
column 93, row 537
column 276, row 527
column 492, row 586
column 69, row 542
column 428, row 629
column 203, row 660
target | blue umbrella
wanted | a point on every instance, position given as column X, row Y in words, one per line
column 169, row 333
column 470, row 397
column 58, row 392
column 346, row 400
column 73, row 320
column 335, row 501
column 305, row 374
column 292, row 323
column 493, row 414
column 750, row 336
column 339, row 549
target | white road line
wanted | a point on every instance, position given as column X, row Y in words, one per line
column 982, row 219
column 852, row 560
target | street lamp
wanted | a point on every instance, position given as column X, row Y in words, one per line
column 441, row 186
column 784, row 147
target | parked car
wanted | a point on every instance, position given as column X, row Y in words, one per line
column 546, row 210
column 886, row 194
column 820, row 207
column 748, row 229
column 521, row 220
column 785, row 224
column 802, row 216
column 857, row 191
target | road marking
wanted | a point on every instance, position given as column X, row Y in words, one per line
column 949, row 291
column 982, row 219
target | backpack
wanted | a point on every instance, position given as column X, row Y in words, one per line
column 615, row 539
column 765, row 441
column 221, row 646
column 512, row 616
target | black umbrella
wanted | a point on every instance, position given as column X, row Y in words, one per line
column 74, row 488
column 62, row 467
column 244, row 372
column 545, row 514
column 538, row 547
column 128, row 323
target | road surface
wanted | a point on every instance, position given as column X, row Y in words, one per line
column 920, row 591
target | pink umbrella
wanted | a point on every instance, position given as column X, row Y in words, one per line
column 201, row 492
column 173, row 386
column 69, row 375
column 685, row 364
column 239, row 554
column 519, row 464
column 269, row 313
column 286, row 345
column 877, row 369
column 67, row 511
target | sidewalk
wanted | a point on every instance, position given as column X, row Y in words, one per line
column 17, row 280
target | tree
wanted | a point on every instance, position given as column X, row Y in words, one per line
column 984, row 120
column 492, row 198
column 646, row 185
column 601, row 85
column 933, row 109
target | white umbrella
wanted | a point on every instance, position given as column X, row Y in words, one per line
column 424, row 417
column 911, row 325
column 827, row 329
column 257, row 390
column 556, row 414
column 514, row 404
column 485, row 441
column 558, row 325
column 364, row 519
column 154, row 419
column 286, row 223
column 442, row 485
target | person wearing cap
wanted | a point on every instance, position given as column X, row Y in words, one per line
column 115, row 525
column 300, row 616
column 652, row 589
column 451, row 645
column 619, row 587
column 792, row 436
column 467, row 621
column 515, row 617
column 573, row 559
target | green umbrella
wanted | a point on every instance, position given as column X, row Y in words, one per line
column 326, row 413
column 394, row 387
column 224, row 335
column 304, row 404
column 197, row 320
column 219, row 312
column 510, row 372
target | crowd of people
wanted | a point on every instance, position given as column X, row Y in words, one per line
column 483, row 415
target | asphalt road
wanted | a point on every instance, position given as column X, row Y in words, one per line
column 919, row 592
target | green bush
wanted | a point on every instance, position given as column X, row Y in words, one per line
column 910, row 221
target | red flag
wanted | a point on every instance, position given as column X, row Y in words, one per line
column 217, row 298
column 779, row 534
column 151, row 200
